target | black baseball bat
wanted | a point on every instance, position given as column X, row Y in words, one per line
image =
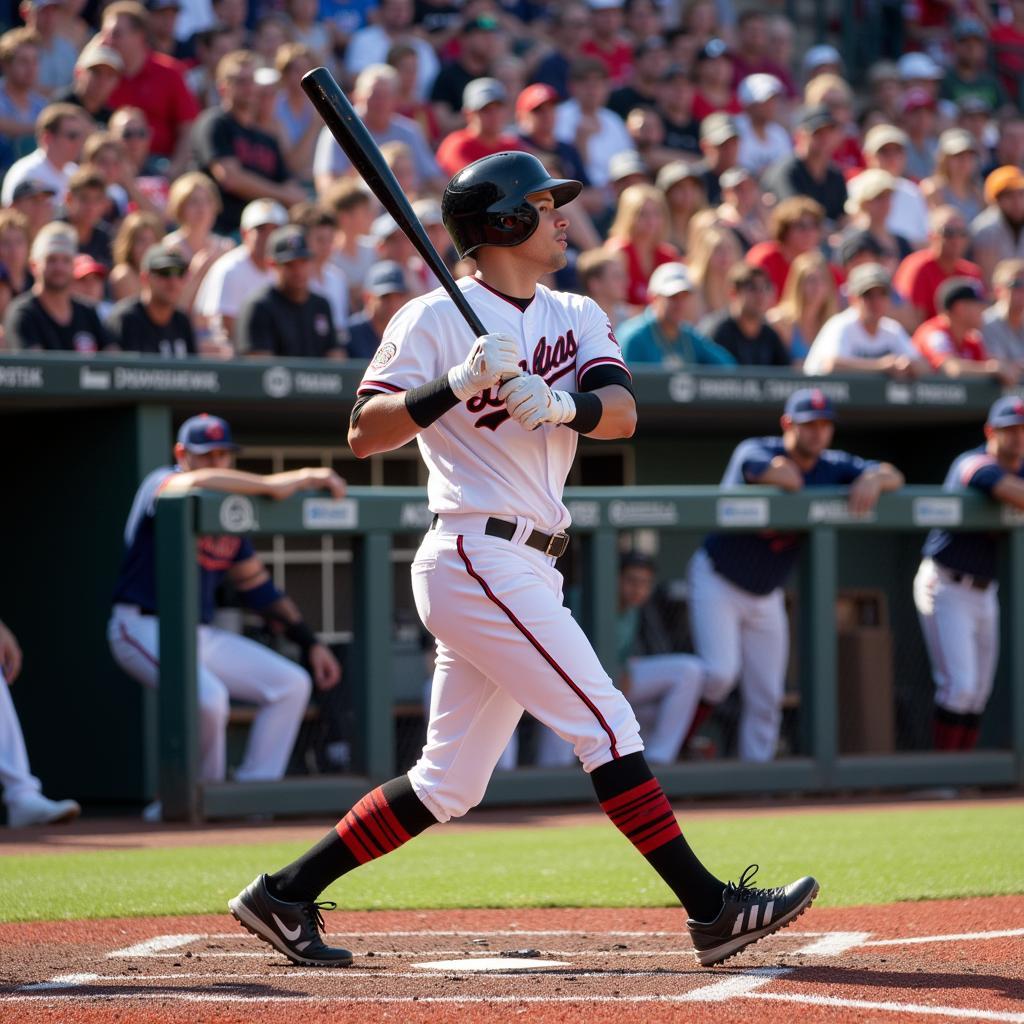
column 354, row 138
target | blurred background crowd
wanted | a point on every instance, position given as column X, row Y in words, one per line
column 751, row 196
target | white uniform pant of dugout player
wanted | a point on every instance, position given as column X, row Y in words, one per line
column 741, row 636
column 228, row 666
column 505, row 642
column 18, row 781
column 961, row 631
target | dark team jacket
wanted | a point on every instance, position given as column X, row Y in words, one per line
column 761, row 562
column 975, row 552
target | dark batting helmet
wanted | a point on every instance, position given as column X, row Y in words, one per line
column 485, row 203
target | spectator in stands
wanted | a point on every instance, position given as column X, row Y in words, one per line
column 89, row 284
column 309, row 31
column 57, row 55
column 811, row 171
column 712, row 74
column 287, row 318
column 952, row 341
column 921, row 273
column 597, row 132
column 955, row 181
column 821, row 60
column 809, row 299
column 48, row 317
column 763, row 140
column 244, row 161
column 682, row 184
column 480, row 43
column 23, row 793
column 863, row 338
column 719, row 142
column 97, row 72
column 485, row 107
column 714, row 252
column 569, row 27
column 163, row 15
column 1002, row 328
column 272, row 30
column 638, row 236
column 14, row 247
column 753, row 53
column 60, row 131
column 1007, row 38
column 648, row 135
column 605, row 41
column 663, row 334
column 603, row 278
column 394, row 25
column 742, row 209
column 795, row 227
column 151, row 81
column 833, row 93
column 870, row 208
column 295, row 116
column 741, row 329
column 997, row 233
column 970, row 74
column 919, row 72
column 886, row 90
column 385, row 291
column 421, row 112
column 643, row 88
column 138, row 231
column 375, row 98
column 21, row 102
column 885, row 148
column 1009, row 147
column 86, row 204
column 237, row 274
column 919, row 120
column 354, row 252
column 675, row 108
column 535, row 114
column 33, row 200
column 151, row 322
column 144, row 182
column 211, row 44
column 320, row 225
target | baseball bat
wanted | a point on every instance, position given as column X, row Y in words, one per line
column 345, row 125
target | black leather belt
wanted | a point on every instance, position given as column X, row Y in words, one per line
column 975, row 582
column 552, row 544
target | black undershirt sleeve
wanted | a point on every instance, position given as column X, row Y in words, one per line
column 602, row 376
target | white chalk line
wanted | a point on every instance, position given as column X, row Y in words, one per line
column 892, row 1007
column 1008, row 933
column 245, row 955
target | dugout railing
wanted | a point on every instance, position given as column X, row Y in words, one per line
column 373, row 517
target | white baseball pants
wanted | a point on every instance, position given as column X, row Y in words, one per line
column 505, row 642
column 228, row 666
column 961, row 631
column 745, row 637
column 15, row 776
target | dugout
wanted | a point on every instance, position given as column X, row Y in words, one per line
column 81, row 433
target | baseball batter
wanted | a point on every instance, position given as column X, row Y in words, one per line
column 498, row 451
column 955, row 589
column 737, row 606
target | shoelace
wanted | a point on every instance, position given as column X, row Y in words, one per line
column 744, row 891
column 313, row 916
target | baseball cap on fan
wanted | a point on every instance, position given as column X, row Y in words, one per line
column 809, row 404
column 482, row 91
column 1007, row 411
column 670, row 279
column 205, row 433
column 263, row 212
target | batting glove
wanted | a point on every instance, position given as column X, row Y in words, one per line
column 492, row 359
column 530, row 402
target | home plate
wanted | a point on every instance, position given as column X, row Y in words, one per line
column 491, row 963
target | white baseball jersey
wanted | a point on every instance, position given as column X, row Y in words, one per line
column 479, row 459
column 844, row 336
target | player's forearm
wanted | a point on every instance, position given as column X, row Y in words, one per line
column 1010, row 490
column 381, row 425
column 234, row 481
column 889, row 478
column 618, row 413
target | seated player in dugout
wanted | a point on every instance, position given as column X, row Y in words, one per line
column 229, row 665
column 955, row 590
column 737, row 604
column 497, row 420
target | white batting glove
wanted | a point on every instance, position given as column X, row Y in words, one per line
column 530, row 402
column 492, row 359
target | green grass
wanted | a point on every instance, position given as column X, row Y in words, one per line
column 859, row 856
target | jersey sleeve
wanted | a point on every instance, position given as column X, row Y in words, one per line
column 245, row 550
column 825, row 347
column 981, row 472
column 847, row 467
column 936, row 347
column 598, row 350
column 750, row 459
column 409, row 353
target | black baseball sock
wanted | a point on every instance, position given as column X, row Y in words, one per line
column 633, row 798
column 382, row 821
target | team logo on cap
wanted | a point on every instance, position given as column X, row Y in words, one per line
column 214, row 431
column 818, row 399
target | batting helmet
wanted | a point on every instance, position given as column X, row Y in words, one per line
column 485, row 203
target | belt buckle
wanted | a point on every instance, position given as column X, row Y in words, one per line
column 557, row 543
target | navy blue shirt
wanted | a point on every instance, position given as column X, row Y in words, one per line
column 760, row 562
column 136, row 582
column 974, row 553
column 363, row 340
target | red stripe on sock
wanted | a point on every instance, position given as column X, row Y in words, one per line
column 660, row 838
column 616, row 803
column 371, row 828
column 375, row 826
column 644, row 816
column 355, row 836
column 389, row 820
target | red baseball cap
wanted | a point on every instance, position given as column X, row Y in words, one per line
column 916, row 99
column 534, row 96
column 85, row 265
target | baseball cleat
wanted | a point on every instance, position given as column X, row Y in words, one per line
column 36, row 809
column 291, row 928
column 747, row 915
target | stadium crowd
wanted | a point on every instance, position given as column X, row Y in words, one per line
column 168, row 188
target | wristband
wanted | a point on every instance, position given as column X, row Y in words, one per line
column 262, row 596
column 429, row 402
column 300, row 633
column 588, row 412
